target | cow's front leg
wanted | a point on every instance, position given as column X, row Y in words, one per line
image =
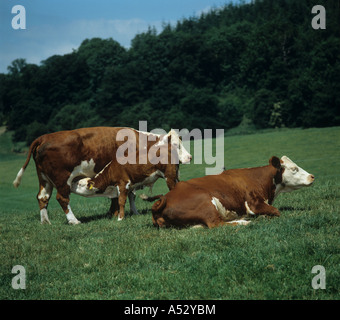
column 64, row 202
column 261, row 208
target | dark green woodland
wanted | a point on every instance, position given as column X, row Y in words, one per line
column 261, row 64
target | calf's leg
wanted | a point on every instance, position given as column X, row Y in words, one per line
column 123, row 194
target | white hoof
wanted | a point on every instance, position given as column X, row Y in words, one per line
column 74, row 221
column 70, row 217
column 143, row 196
column 44, row 217
column 197, row 226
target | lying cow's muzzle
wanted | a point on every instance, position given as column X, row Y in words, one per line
column 311, row 179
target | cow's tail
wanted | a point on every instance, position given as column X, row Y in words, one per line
column 150, row 199
column 32, row 148
column 159, row 205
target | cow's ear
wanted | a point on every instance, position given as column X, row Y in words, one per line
column 90, row 185
column 165, row 138
column 275, row 162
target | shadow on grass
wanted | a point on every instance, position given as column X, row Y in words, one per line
column 95, row 217
column 109, row 216
column 290, row 208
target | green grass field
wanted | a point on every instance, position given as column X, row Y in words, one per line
column 105, row 259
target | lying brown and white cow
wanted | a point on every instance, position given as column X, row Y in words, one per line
column 65, row 157
column 124, row 179
column 229, row 197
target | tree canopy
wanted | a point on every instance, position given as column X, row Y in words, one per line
column 261, row 60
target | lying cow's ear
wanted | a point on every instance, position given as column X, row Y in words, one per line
column 275, row 162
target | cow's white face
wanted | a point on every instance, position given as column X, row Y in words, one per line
column 293, row 176
column 183, row 155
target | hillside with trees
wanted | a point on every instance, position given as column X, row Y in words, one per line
column 260, row 62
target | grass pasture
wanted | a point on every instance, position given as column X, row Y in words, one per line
column 106, row 259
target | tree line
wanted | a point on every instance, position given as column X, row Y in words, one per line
column 259, row 62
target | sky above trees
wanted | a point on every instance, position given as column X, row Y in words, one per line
column 58, row 27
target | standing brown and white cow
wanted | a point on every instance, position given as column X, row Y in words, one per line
column 65, row 157
column 229, row 197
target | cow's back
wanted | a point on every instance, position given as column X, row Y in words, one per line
column 99, row 144
column 231, row 179
column 68, row 149
column 225, row 181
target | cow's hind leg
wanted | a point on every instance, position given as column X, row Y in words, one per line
column 132, row 199
column 64, row 202
column 114, row 207
column 43, row 197
column 159, row 222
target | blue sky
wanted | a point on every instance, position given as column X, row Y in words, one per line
column 59, row 26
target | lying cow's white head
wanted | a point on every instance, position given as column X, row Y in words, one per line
column 293, row 177
column 183, row 155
